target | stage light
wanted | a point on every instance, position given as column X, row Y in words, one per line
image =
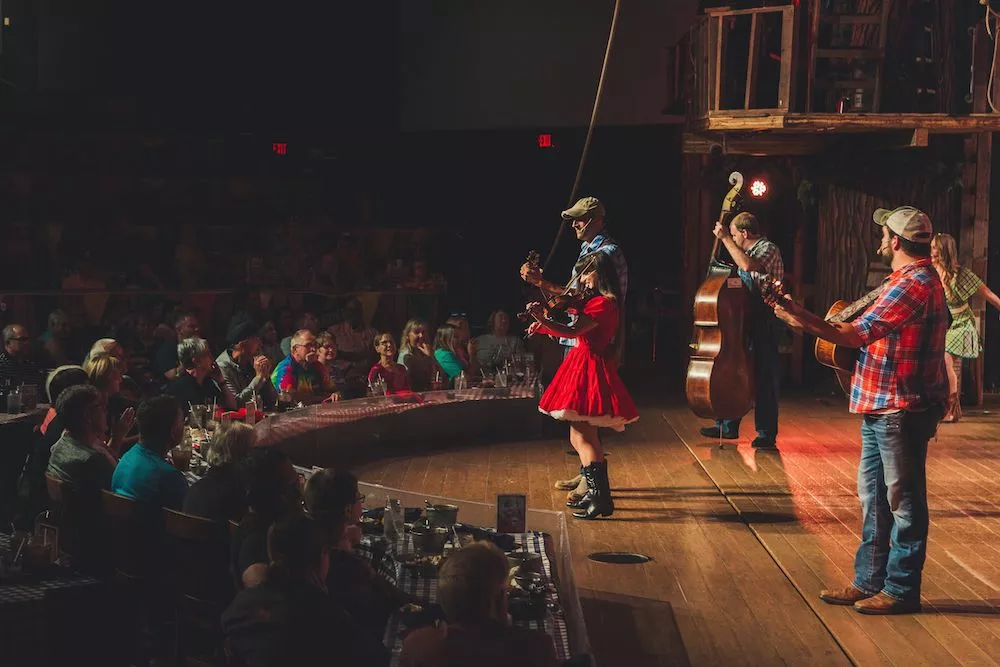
column 758, row 188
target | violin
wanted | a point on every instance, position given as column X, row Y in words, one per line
column 558, row 305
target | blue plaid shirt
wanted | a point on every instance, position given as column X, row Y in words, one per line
column 606, row 244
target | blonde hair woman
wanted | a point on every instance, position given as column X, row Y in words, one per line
column 220, row 495
column 416, row 353
column 962, row 339
column 105, row 373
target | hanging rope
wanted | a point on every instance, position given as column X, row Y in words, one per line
column 590, row 129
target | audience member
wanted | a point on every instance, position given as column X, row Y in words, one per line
column 80, row 455
column 416, row 354
column 289, row 618
column 269, row 342
column 445, row 351
column 166, row 363
column 57, row 340
column 16, row 365
column 333, row 499
column 465, row 345
column 221, row 494
column 355, row 340
column 326, row 355
column 498, row 346
column 200, row 381
column 272, row 494
column 143, row 474
column 393, row 374
column 309, row 322
column 32, row 492
column 300, row 374
column 472, row 590
column 109, row 347
column 104, row 372
column 245, row 371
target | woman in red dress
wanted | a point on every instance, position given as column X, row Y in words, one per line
column 586, row 390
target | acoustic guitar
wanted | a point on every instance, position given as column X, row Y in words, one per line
column 842, row 359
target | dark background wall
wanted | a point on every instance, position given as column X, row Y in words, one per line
column 527, row 63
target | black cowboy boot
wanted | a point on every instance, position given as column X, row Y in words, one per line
column 598, row 498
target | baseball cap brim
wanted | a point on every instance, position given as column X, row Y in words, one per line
column 574, row 212
column 881, row 215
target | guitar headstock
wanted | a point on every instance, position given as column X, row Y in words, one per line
column 533, row 260
column 773, row 292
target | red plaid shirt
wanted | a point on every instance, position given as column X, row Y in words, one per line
column 901, row 365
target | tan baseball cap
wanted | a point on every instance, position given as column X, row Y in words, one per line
column 583, row 208
column 910, row 223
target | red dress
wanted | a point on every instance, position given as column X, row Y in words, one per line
column 586, row 387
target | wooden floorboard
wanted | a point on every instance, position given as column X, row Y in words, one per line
column 801, row 503
column 713, row 595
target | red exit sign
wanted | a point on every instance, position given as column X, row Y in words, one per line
column 545, row 141
column 279, row 148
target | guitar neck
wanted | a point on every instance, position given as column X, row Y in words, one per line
column 853, row 309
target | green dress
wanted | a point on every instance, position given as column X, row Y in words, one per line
column 962, row 339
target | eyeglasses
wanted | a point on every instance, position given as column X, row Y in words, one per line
column 21, row 339
column 308, row 346
column 457, row 314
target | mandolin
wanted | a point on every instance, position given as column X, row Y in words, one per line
column 842, row 359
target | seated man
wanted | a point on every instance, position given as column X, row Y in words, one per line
column 472, row 592
column 245, row 371
column 165, row 363
column 143, row 474
column 300, row 374
column 80, row 455
column 200, row 381
column 289, row 619
column 16, row 365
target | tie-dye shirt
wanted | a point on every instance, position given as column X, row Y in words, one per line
column 290, row 375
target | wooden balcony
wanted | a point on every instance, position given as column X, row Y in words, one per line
column 745, row 67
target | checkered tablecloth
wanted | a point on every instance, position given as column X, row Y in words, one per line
column 23, row 609
column 425, row 588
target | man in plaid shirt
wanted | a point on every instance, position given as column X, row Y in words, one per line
column 899, row 385
column 759, row 262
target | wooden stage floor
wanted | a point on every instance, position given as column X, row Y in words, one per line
column 742, row 541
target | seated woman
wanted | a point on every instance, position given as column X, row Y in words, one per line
column 416, row 354
column 221, row 495
column 498, row 346
column 289, row 618
column 332, row 498
column 393, row 374
column 105, row 373
column 326, row 355
column 200, row 381
column 446, row 351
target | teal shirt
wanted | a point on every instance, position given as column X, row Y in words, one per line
column 146, row 477
column 449, row 363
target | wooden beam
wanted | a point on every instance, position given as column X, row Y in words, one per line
column 759, row 144
column 751, row 81
column 776, row 120
column 786, row 80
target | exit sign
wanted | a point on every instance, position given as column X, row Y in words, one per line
column 545, row 141
column 279, row 148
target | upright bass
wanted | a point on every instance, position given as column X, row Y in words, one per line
column 720, row 380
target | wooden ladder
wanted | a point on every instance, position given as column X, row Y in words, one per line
column 861, row 88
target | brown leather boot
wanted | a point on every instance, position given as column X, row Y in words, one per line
column 571, row 483
column 579, row 492
column 884, row 604
column 845, row 596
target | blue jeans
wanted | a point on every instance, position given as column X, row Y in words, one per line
column 892, row 486
column 767, row 376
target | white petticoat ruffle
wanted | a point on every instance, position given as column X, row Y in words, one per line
column 600, row 421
